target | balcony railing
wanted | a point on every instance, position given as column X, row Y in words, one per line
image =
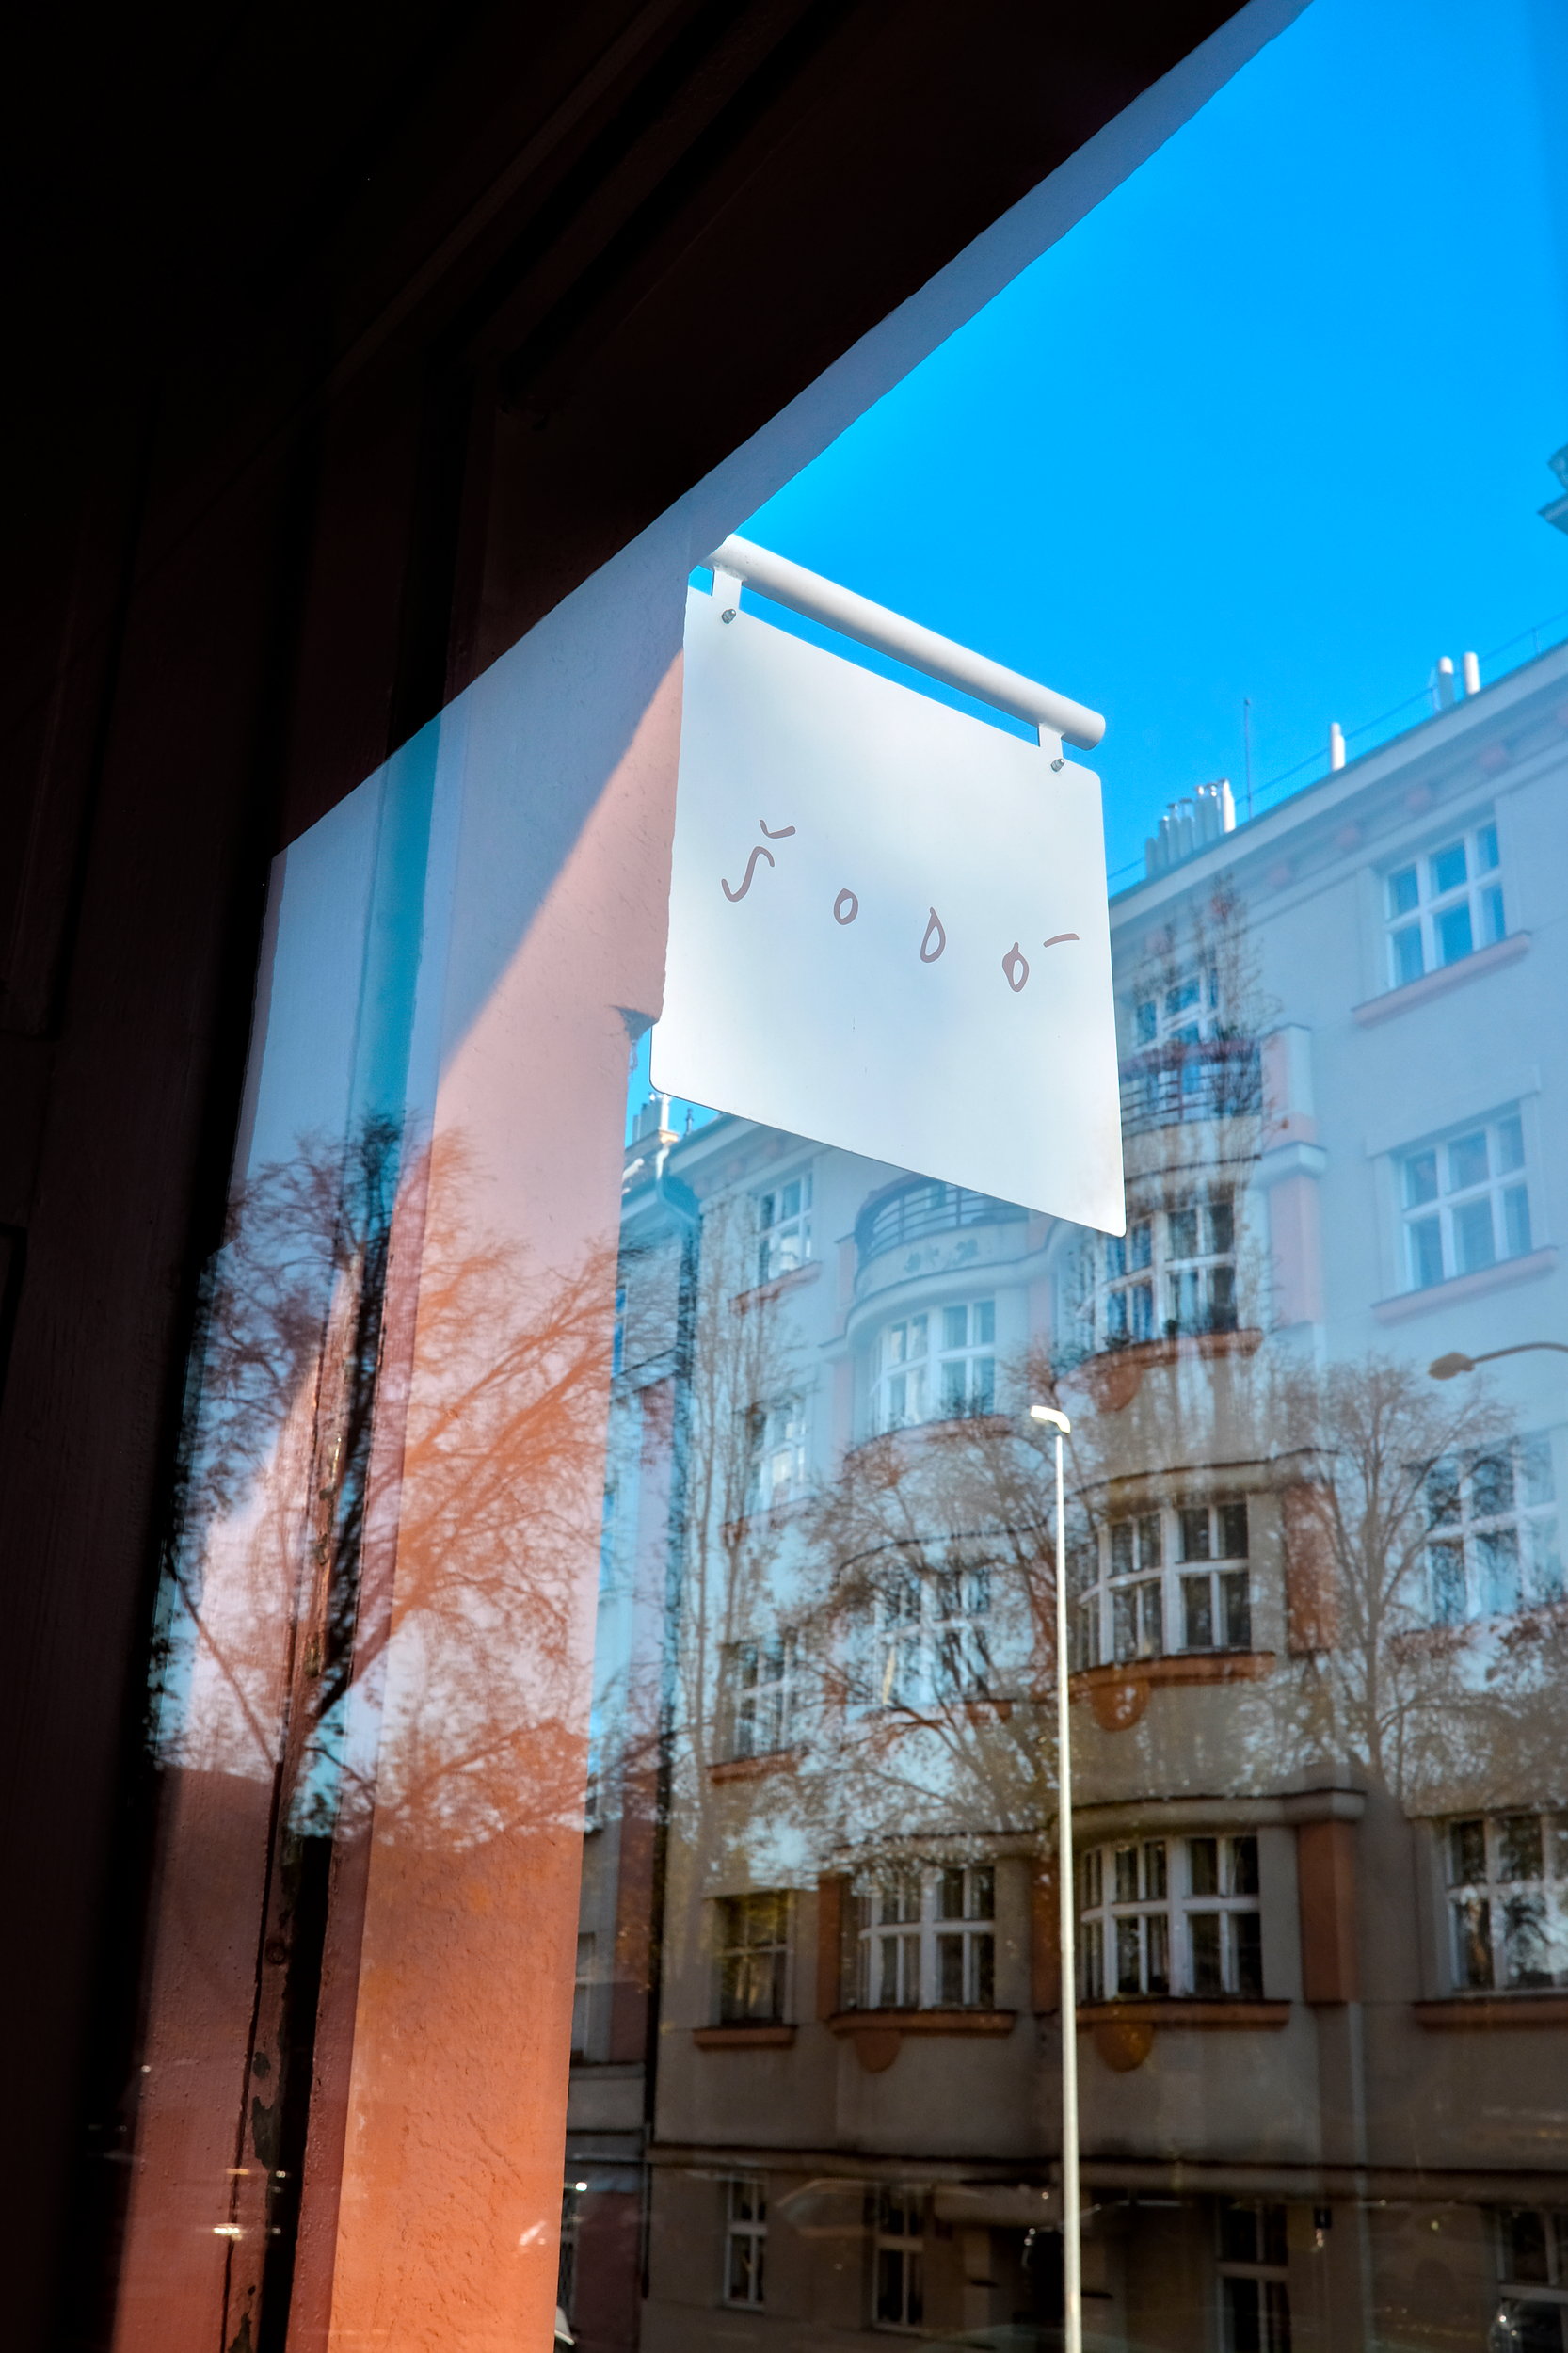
column 913, row 1211
column 1169, row 1085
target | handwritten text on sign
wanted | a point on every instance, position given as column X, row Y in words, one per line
column 908, row 953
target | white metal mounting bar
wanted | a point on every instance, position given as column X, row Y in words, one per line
column 869, row 624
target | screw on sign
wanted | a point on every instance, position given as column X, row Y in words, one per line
column 846, row 907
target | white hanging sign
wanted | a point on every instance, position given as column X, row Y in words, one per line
column 888, row 928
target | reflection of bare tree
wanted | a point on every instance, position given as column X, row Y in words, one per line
column 376, row 1612
column 929, row 1615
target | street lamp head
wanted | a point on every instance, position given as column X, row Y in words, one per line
column 1445, row 1367
column 1049, row 1412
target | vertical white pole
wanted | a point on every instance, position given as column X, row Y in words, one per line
column 1072, row 2269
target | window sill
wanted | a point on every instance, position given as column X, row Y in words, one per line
column 1124, row 2032
column 1227, row 2014
column 1115, row 1376
column 743, row 2037
column 1438, row 983
column 1119, row 1692
column 1489, row 2010
column 1462, row 1286
column 924, row 2020
column 878, row 2033
column 763, row 1294
column 755, row 1767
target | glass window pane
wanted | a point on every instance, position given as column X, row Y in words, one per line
column 1198, row 1611
column 984, row 1323
column 1520, row 1848
column 1516, row 1222
column 1203, row 1929
column 1468, row 1161
column 1421, row 1179
column 1139, row 1240
column 1151, row 1547
column 1403, row 892
column 1408, row 964
column 1183, row 1233
column 1233, row 1530
column 1493, row 927
column 1511, row 1144
column 1486, row 848
column 1473, row 1244
column 1194, row 1532
column 1447, row 868
column 1203, row 1866
column 1455, row 937
column 1467, row 1854
column 955, row 1323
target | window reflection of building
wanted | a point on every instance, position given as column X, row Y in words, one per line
column 1255, row 2278
column 1443, row 906
column 745, row 2242
column 753, row 1933
column 1316, row 1634
column 1152, row 1595
column 927, row 1939
column 1172, row 1917
column 1493, row 1546
column 1508, row 1901
column 935, row 1365
column 1466, row 1202
column 900, row 2301
column 1532, row 2271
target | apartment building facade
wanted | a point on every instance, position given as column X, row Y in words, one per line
column 1319, row 1628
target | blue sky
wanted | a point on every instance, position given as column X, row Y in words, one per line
column 1272, row 422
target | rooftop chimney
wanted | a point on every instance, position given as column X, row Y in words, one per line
column 1190, row 826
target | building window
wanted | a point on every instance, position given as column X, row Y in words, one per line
column 746, row 2241
column 1492, row 1543
column 1508, row 1901
column 1465, row 1202
column 783, row 1228
column 1173, row 1273
column 900, row 2292
column 1532, row 2269
column 1167, row 1580
column 931, row 1641
column 1170, row 1916
column 936, row 1367
column 928, row 1939
column 581, row 1998
column 776, row 1453
column 1443, row 906
column 761, row 1676
column 1253, row 2278
column 1186, row 1012
column 753, row 1953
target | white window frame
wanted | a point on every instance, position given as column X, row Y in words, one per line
column 1440, row 1198
column 1184, row 1011
column 1167, row 1572
column 745, row 2242
column 1492, row 1547
column 1143, row 1916
column 751, row 1943
column 926, row 1938
column 1521, row 2292
column 760, row 1677
column 898, row 2259
column 783, row 1229
column 777, row 1437
column 1268, row 2329
column 924, row 1372
column 933, row 1635
column 1486, row 1908
column 1160, row 1279
column 1428, row 910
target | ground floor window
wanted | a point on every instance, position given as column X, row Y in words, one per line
column 899, row 2284
column 1255, row 2293
column 746, row 2240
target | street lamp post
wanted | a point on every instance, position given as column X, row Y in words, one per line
column 1445, row 1367
column 1072, row 2260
